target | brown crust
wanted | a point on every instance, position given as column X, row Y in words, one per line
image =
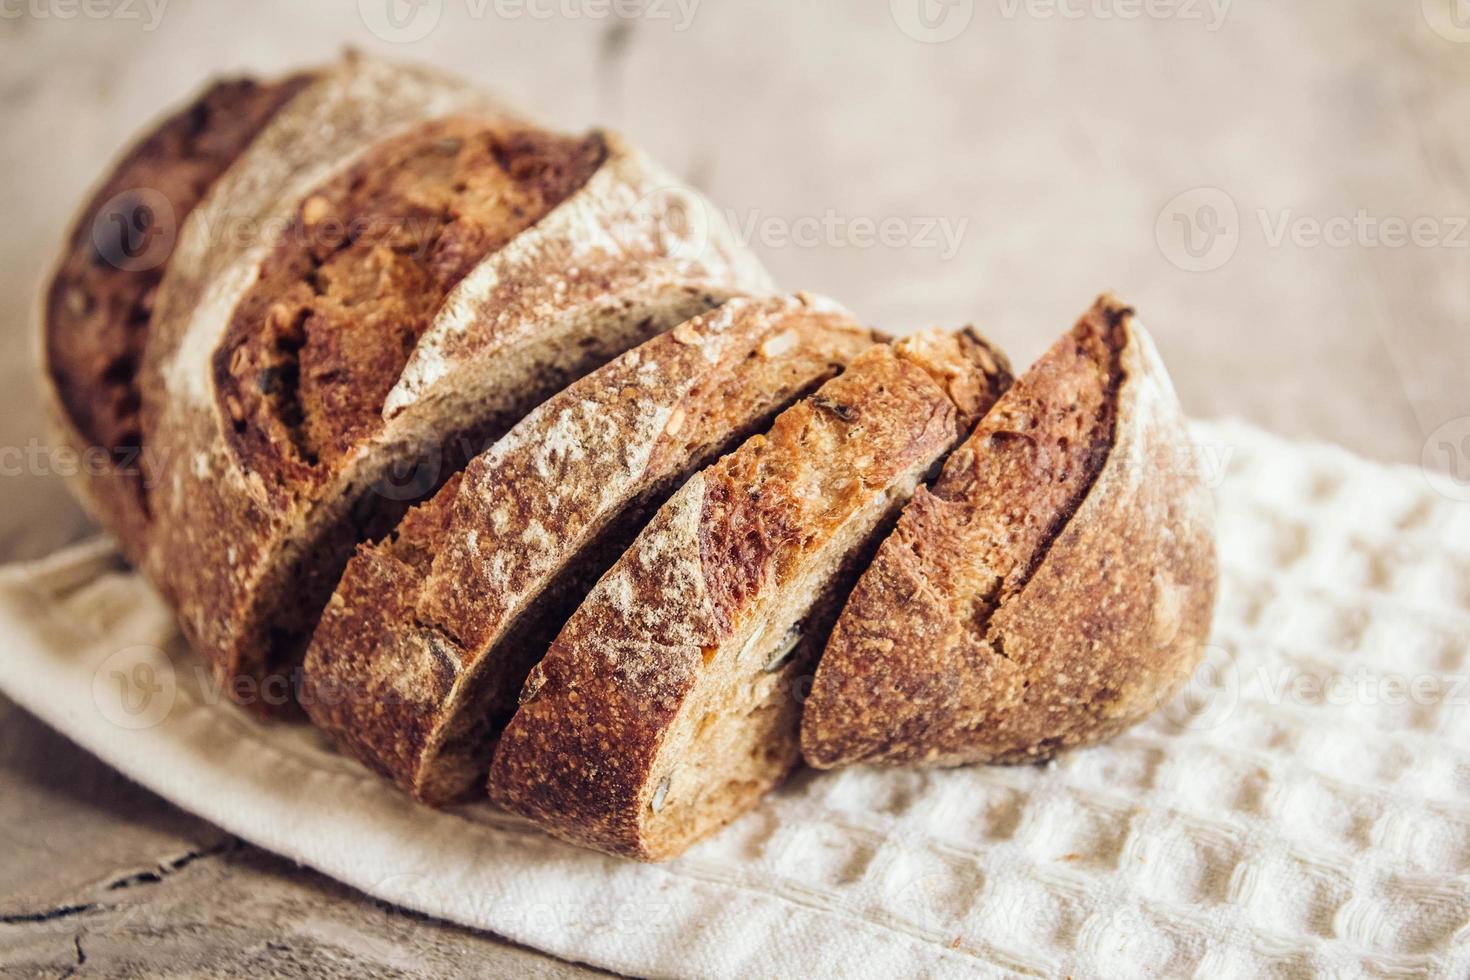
column 582, row 754
column 100, row 300
column 1054, row 587
column 420, row 656
column 318, row 342
column 253, row 551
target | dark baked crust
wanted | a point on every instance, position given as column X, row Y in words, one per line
column 316, row 345
column 419, row 658
column 256, row 536
column 100, row 300
column 1052, row 589
column 633, row 684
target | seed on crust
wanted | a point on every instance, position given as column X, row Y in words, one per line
column 687, row 333
column 314, row 210
column 659, row 795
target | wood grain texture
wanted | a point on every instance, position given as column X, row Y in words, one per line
column 1056, row 143
column 102, row 878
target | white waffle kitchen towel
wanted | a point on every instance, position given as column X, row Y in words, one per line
column 1303, row 809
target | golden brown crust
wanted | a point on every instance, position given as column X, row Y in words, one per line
column 726, row 567
column 254, row 549
column 324, row 334
column 1053, row 588
column 420, row 656
column 100, row 300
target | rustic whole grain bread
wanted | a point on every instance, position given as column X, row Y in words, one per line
column 99, row 299
column 321, row 338
column 1054, row 586
column 393, row 270
column 670, row 702
column 421, row 653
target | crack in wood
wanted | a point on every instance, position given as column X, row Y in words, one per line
column 166, row 868
column 48, row 915
column 76, row 944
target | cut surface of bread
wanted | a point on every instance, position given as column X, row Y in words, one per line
column 308, row 395
column 324, row 334
column 1052, row 587
column 420, row 655
column 669, row 703
column 99, row 301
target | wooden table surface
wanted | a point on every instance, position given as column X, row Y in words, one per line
column 1282, row 189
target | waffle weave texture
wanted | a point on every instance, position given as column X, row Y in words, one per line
column 1302, row 809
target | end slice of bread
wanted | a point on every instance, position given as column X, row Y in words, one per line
column 670, row 702
column 1052, row 588
column 418, row 660
column 95, row 310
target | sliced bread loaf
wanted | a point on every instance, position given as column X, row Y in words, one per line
column 1052, row 588
column 392, row 273
column 420, row 655
column 670, row 702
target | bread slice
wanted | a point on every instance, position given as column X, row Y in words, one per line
column 1054, row 586
column 98, row 301
column 274, row 471
column 670, row 702
column 420, row 655
column 326, row 330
